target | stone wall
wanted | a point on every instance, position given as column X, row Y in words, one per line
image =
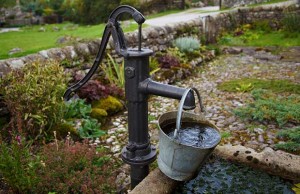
column 155, row 38
column 230, row 20
column 159, row 38
column 239, row 3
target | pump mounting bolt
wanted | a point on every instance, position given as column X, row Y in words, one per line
column 129, row 72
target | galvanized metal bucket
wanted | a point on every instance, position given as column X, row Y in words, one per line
column 177, row 161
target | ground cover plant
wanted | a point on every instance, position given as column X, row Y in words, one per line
column 270, row 107
column 292, row 139
column 249, row 84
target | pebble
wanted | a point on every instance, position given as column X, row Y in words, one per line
column 259, row 130
column 109, row 140
column 116, row 124
column 116, row 149
column 261, row 139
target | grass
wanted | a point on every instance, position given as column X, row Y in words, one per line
column 277, row 86
column 30, row 40
column 259, row 39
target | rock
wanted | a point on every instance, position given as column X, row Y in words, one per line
column 14, row 51
column 16, row 64
column 278, row 162
column 42, row 29
column 232, row 50
column 44, row 53
column 62, row 40
column 155, row 182
column 258, row 130
column 109, row 140
column 56, row 29
column 261, row 139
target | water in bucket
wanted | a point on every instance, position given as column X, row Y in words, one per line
column 194, row 134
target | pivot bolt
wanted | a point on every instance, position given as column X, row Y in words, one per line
column 129, row 72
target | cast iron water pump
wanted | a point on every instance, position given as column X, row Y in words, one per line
column 138, row 153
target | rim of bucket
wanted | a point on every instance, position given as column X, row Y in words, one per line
column 191, row 118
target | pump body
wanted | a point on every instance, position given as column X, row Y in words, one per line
column 138, row 153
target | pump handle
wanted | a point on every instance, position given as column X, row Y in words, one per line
column 112, row 28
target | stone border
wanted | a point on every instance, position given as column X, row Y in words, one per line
column 277, row 163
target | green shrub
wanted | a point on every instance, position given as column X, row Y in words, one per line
column 292, row 138
column 75, row 168
column 262, row 25
column 33, row 96
column 187, row 44
column 269, row 107
column 175, row 52
column 18, row 167
column 77, row 109
column 134, row 3
column 90, row 128
column 291, row 22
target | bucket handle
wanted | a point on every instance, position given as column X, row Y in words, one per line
column 180, row 108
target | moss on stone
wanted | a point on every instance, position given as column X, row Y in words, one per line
column 110, row 104
column 99, row 114
column 63, row 129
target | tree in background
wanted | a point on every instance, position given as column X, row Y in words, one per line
column 89, row 11
column 7, row 3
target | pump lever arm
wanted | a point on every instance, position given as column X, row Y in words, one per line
column 112, row 28
column 96, row 64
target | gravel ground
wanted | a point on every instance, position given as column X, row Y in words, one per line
column 218, row 104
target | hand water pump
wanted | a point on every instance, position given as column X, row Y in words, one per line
column 138, row 153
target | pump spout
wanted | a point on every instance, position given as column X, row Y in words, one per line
column 149, row 86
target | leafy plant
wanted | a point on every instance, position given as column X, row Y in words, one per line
column 77, row 109
column 187, row 44
column 114, row 72
column 18, row 167
column 90, row 128
column 292, row 136
column 153, row 65
column 178, row 54
column 33, row 96
column 75, row 168
column 94, row 90
column 168, row 61
column 269, row 107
